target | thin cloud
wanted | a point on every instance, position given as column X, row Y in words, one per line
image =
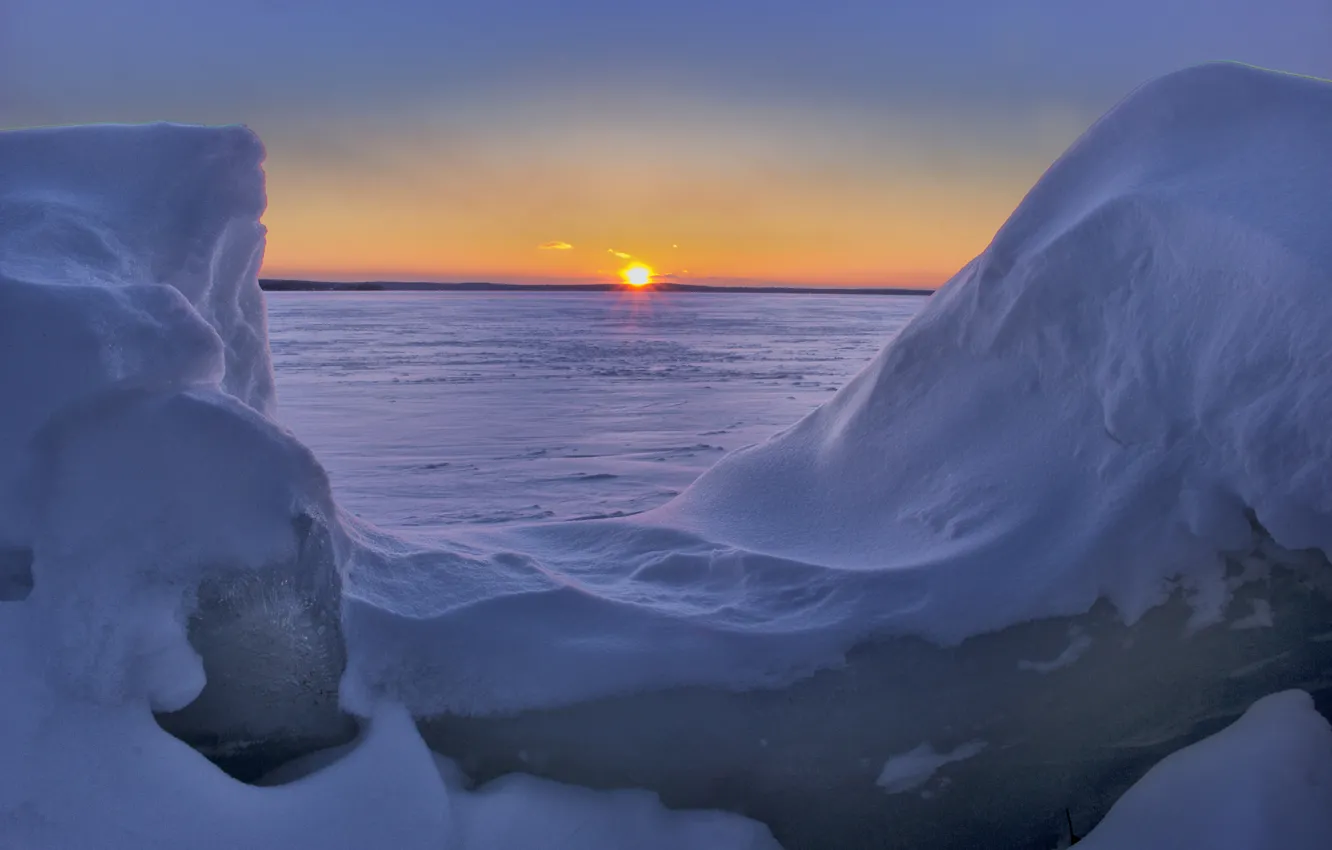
column 555, row 245
column 622, row 255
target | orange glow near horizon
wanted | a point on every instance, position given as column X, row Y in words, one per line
column 721, row 197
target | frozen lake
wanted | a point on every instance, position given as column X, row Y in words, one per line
column 441, row 408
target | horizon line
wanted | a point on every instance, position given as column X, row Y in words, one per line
column 858, row 280
column 285, row 284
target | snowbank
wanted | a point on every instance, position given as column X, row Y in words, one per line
column 1264, row 782
column 1089, row 408
column 165, row 546
column 132, row 208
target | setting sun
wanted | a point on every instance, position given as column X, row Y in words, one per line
column 637, row 275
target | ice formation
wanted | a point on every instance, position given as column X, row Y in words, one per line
column 1031, row 522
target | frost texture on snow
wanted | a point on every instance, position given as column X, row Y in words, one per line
column 1263, row 783
column 1106, row 422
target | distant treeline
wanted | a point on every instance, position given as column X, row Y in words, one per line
column 275, row 285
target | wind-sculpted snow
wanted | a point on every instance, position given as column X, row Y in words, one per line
column 137, row 468
column 1112, row 422
column 1088, row 409
column 166, row 547
column 1122, row 387
column 1075, row 516
column 77, row 210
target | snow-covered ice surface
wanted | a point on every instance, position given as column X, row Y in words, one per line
column 1031, row 521
column 438, row 409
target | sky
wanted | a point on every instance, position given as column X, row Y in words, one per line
column 730, row 141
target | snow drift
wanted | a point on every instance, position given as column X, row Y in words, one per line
column 1075, row 516
column 1263, row 782
column 1101, row 396
column 1120, row 389
column 1065, row 498
column 164, row 545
